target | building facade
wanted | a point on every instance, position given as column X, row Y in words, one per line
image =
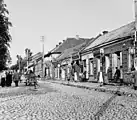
column 111, row 50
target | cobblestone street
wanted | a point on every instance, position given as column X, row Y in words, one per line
column 57, row 102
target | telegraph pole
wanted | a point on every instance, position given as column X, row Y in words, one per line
column 135, row 40
column 19, row 62
column 43, row 40
column 26, row 52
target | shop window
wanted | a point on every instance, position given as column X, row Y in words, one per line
column 84, row 63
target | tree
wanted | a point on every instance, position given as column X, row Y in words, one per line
column 28, row 54
column 5, row 37
column 14, row 67
column 23, row 63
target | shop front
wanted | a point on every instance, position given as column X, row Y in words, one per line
column 96, row 64
column 76, row 60
column 87, row 59
column 118, row 55
column 63, row 68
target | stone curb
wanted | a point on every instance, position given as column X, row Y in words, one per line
column 99, row 89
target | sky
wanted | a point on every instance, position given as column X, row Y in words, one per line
column 60, row 19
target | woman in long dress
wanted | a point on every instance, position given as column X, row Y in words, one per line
column 101, row 78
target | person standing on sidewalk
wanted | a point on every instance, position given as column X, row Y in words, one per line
column 121, row 75
column 109, row 74
column 16, row 78
column 132, row 71
column 135, row 79
column 10, row 78
column 117, row 75
column 3, row 79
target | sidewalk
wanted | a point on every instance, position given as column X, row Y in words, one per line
column 114, row 89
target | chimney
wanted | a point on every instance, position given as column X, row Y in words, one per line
column 63, row 40
column 77, row 37
column 60, row 43
column 105, row 32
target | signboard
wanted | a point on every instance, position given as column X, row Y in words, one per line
column 76, row 57
column 97, row 53
column 64, row 63
column 87, row 56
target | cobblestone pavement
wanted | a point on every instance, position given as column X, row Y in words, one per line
column 57, row 102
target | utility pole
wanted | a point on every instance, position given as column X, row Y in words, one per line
column 42, row 40
column 27, row 55
column 135, row 40
column 19, row 60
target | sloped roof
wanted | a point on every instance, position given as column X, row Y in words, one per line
column 68, row 52
column 69, row 43
column 123, row 31
column 37, row 55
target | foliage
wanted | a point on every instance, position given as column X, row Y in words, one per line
column 5, row 37
column 14, row 67
column 23, row 63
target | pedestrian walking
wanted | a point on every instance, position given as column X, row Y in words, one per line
column 3, row 79
column 16, row 78
column 33, row 79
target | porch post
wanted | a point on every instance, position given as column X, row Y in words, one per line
column 87, row 67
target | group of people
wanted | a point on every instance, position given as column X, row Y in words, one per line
column 7, row 77
column 31, row 78
column 74, row 73
column 118, row 76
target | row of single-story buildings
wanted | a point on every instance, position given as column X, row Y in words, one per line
column 105, row 52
